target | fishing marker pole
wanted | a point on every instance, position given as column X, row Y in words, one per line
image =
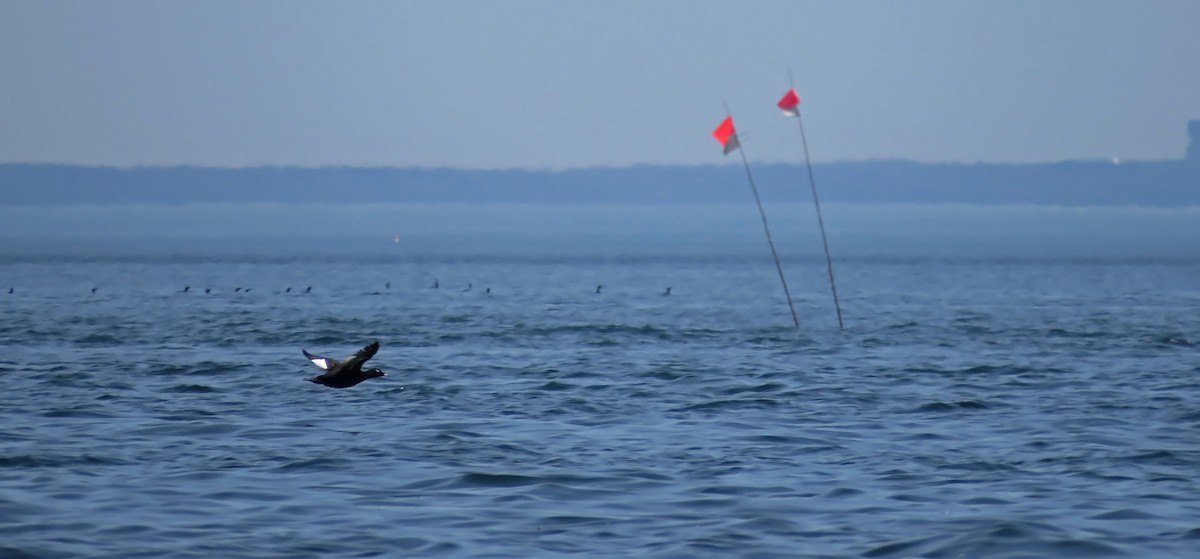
column 726, row 134
column 790, row 105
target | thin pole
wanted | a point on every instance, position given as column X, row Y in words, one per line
column 820, row 221
column 770, row 242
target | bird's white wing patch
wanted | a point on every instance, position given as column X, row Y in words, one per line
column 317, row 360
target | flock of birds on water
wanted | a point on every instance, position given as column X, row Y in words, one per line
column 388, row 285
column 347, row 372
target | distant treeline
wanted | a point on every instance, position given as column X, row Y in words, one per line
column 1164, row 184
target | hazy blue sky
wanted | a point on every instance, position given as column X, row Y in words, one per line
column 562, row 84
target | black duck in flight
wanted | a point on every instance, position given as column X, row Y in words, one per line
column 344, row 374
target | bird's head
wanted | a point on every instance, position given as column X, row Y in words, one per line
column 372, row 373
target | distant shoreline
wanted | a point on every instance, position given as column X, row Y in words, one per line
column 1172, row 183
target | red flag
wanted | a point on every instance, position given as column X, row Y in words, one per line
column 727, row 135
column 790, row 104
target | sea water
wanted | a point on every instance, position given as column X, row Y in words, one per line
column 977, row 404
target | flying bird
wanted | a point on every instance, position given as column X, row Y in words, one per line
column 344, row 374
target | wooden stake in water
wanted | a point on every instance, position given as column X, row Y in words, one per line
column 727, row 135
column 790, row 105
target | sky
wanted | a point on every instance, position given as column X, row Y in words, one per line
column 570, row 84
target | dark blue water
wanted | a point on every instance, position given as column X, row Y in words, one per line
column 972, row 407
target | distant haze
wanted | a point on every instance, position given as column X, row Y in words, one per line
column 558, row 85
column 609, row 231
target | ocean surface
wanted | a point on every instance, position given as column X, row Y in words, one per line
column 974, row 406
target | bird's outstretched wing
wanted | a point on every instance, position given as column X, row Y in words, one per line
column 324, row 363
column 361, row 356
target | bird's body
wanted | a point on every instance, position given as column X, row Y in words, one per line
column 344, row 374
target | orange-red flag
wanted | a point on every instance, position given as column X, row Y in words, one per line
column 726, row 134
column 790, row 104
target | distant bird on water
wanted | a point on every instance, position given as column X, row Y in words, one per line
column 186, row 288
column 598, row 288
column 435, row 283
column 10, row 290
column 344, row 374
column 468, row 288
column 308, row 289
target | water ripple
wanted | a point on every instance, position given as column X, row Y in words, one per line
column 957, row 416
